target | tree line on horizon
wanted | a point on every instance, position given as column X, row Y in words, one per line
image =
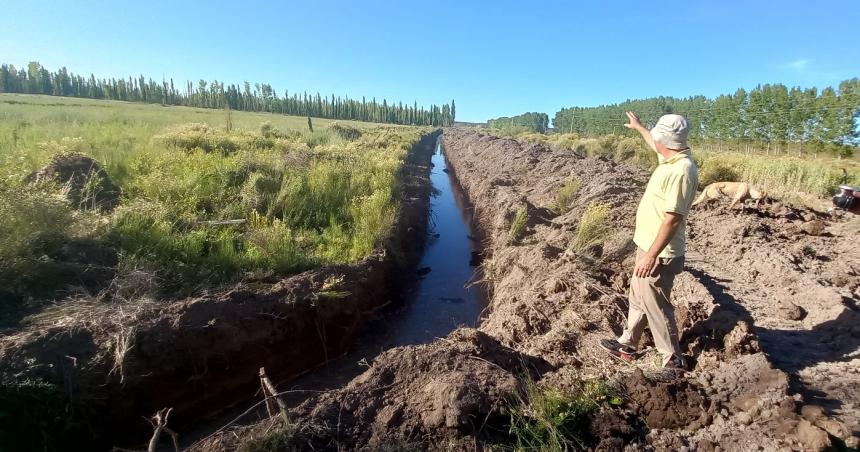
column 259, row 97
column 536, row 122
column 771, row 115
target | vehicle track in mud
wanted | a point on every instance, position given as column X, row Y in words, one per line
column 750, row 387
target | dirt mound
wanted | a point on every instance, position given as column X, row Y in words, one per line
column 88, row 184
column 792, row 276
column 448, row 388
column 428, row 395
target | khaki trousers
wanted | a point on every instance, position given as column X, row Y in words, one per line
column 650, row 305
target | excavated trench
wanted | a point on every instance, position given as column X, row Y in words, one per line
column 442, row 294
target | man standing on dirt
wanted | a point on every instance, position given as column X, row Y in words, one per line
column 660, row 237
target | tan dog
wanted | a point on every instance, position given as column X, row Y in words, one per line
column 737, row 191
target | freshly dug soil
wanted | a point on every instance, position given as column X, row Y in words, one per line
column 118, row 363
column 767, row 310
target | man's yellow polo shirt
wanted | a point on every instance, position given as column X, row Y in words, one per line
column 671, row 188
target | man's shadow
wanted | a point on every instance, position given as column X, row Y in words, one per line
column 788, row 350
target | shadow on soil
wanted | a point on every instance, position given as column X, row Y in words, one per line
column 789, row 350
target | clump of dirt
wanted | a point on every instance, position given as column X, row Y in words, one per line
column 667, row 404
column 614, row 429
column 88, row 184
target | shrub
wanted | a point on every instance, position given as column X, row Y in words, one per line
column 593, row 228
column 565, row 195
column 628, row 148
column 563, row 141
column 717, row 172
column 267, row 129
column 189, row 137
column 548, row 419
column 275, row 247
column 321, row 138
column 346, row 132
column 509, row 131
column 533, row 137
column 607, row 144
column 518, row 226
column 258, row 191
column 589, row 147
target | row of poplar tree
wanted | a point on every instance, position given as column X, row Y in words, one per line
column 771, row 115
column 538, row 122
column 35, row 79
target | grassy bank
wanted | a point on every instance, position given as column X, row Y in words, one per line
column 207, row 198
column 795, row 179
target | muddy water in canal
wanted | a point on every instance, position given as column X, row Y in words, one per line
column 442, row 297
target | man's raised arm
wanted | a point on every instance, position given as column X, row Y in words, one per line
column 636, row 125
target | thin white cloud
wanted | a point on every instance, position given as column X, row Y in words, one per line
column 799, row 64
column 804, row 67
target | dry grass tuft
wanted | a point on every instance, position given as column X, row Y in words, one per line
column 117, row 323
column 519, row 225
column 564, row 196
column 332, row 288
column 593, row 228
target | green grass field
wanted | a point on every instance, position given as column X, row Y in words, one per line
column 301, row 199
column 114, row 130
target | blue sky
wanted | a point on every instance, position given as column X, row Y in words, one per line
column 495, row 58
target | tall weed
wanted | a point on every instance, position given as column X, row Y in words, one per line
column 519, row 224
column 565, row 195
column 593, row 228
column 36, row 222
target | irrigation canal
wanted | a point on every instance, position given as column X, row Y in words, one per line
column 442, row 297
